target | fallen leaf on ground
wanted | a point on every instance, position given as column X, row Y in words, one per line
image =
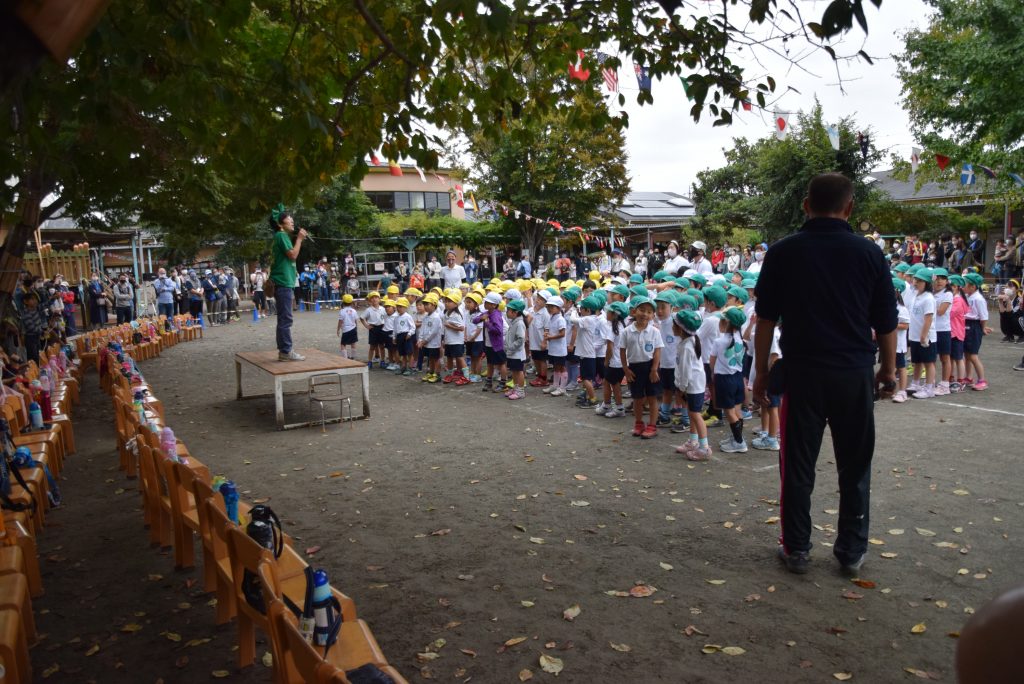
column 261, row 501
column 836, row 630
column 581, row 478
column 52, row 670
column 337, row 473
column 710, row 648
column 919, row 628
column 665, row 566
column 267, row 659
column 843, row 676
column 527, row 604
column 716, row 582
column 220, row 674
column 852, row 595
column 863, row 583
column 580, row 504
column 471, row 654
column 465, row 578
column 693, row 629
column 525, row 675
column 311, row 550
column 961, row 492
column 642, row 591
column 750, row 598
column 131, row 627
column 896, row 531
column 924, row 533
column 621, row 648
column 876, row 542
column 440, row 533
column 772, row 520
column 889, row 554
column 551, row 664
column 427, row 656
column 171, row 636
column 733, row 650
column 537, row 540
column 92, row 650
column 515, row 640
column 572, row 612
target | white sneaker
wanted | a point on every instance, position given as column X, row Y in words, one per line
column 925, row 393
column 601, row 409
column 941, row 390
column 735, row 447
column 572, row 388
column 549, row 389
column 614, row 412
column 899, row 397
column 557, row 392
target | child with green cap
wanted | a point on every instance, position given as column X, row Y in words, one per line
column 727, row 369
column 690, row 381
column 976, row 319
column 588, row 329
column 640, row 354
column 515, row 348
column 616, row 314
column 714, row 301
column 958, row 331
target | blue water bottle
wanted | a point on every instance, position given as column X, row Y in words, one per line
column 35, row 414
column 323, row 610
column 230, row 493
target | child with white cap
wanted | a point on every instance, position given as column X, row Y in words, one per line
column 556, row 345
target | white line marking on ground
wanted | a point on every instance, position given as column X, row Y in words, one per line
column 766, row 468
column 979, row 408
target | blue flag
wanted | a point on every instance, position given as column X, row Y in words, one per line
column 1017, row 179
column 643, row 77
column 967, row 175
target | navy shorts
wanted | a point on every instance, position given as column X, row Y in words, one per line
column 516, row 364
column 614, row 375
column 642, row 386
column 495, row 358
column 600, row 367
column 922, row 354
column 695, row 402
column 454, row 351
column 389, row 341
column 668, row 378
column 972, row 340
column 572, row 358
column 539, row 354
column 774, row 400
column 476, row 348
column 956, row 349
column 901, row 360
column 557, row 361
column 431, row 352
column 377, row 335
column 404, row 344
column 350, row 337
column 943, row 343
column 588, row 369
column 728, row 390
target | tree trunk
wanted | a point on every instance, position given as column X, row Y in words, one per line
column 12, row 252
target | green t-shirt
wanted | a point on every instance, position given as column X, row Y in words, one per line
column 282, row 269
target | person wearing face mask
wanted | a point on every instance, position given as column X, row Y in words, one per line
column 675, row 263
column 98, row 302
column 759, row 251
column 124, row 297
column 977, row 247
column 166, row 289
column 67, row 297
column 697, row 260
column 732, row 262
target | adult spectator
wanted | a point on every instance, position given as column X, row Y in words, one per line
column 977, row 247
column 828, row 355
column 746, row 258
column 417, row 279
column 99, row 301
column 212, row 296
column 471, row 268
column 640, row 264
column 914, row 249
column 452, row 273
column 306, row 280
column 231, row 293
column 524, row 269
column 879, row 240
column 759, row 252
column 486, row 269
column 717, row 258
column 194, row 288
column 259, row 298
column 282, row 273
column 619, row 262
column 180, row 298
column 166, row 290
column 563, row 267
column 433, row 273
column 675, row 263
column 698, row 262
column 655, row 261
column 401, row 275
column 732, row 262
column 603, row 263
column 323, row 282
column 34, row 321
column 542, row 266
column 67, row 296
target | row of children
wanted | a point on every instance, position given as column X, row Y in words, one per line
column 942, row 318
column 680, row 344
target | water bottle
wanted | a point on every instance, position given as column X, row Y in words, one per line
column 170, row 445
column 140, row 408
column 44, row 395
column 323, row 610
column 230, row 493
column 35, row 415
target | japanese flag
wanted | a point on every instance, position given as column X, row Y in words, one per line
column 782, row 125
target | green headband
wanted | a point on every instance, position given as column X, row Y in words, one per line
column 277, row 212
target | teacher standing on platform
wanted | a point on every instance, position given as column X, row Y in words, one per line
column 284, row 275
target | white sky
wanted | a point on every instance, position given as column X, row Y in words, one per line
column 667, row 148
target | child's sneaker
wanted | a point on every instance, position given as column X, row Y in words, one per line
column 650, row 432
column 664, row 420
column 735, row 447
column 406, row 373
column 746, row 414
column 548, row 389
column 899, row 397
column 431, row 378
column 557, row 392
column 765, row 443
column 588, row 403
column 614, row 412
column 538, row 382
column 699, row 454
column 712, row 421
column 488, row 385
column 461, row 380
column 980, row 386
column 759, row 434
column 626, row 394
column 499, row 388
column 941, row 390
column 573, row 387
column 601, row 408
column 448, row 379
column 678, row 426
column 638, row 428
column 516, row 394
column 474, row 378
column 511, row 384
column 687, row 448
column 925, row 393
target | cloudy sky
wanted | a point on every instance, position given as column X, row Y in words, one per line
column 667, row 149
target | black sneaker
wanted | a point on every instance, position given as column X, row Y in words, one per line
column 664, row 420
column 1019, row 366
column 796, row 562
column 853, row 569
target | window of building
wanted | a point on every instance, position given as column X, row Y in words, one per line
column 431, row 202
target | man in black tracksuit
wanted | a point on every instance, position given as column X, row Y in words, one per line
column 829, row 288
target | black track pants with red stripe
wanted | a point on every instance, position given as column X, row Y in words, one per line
column 842, row 399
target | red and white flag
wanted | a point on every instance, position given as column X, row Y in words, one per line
column 915, row 158
column 374, row 159
column 423, row 176
column 782, row 125
column 460, row 201
column 576, row 70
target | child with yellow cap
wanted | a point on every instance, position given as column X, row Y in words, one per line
column 473, row 334
column 347, row 327
column 454, row 339
column 373, row 318
column 405, row 330
column 430, row 337
column 389, row 333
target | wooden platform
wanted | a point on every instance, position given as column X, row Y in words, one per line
column 316, row 362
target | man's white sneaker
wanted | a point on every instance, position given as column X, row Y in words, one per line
column 735, row 447
column 290, row 356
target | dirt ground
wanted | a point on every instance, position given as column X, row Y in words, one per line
column 459, row 521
